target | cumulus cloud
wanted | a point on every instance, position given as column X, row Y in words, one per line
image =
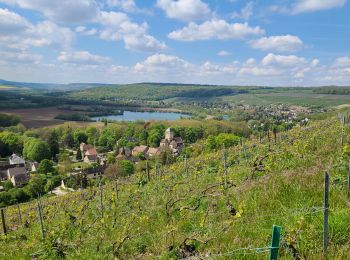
column 215, row 29
column 302, row 6
column 118, row 26
column 128, row 6
column 11, row 23
column 15, row 56
column 280, row 60
column 224, row 53
column 161, row 62
column 283, row 43
column 82, row 57
column 17, row 32
column 63, row 11
column 185, row 10
column 342, row 62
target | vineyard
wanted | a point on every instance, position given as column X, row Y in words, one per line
column 216, row 205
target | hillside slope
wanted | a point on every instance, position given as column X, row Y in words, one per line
column 193, row 214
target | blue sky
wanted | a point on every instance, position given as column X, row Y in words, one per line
column 270, row 42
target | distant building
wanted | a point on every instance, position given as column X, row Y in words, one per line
column 90, row 156
column 15, row 159
column 17, row 175
column 85, row 147
column 138, row 150
column 152, row 152
column 174, row 143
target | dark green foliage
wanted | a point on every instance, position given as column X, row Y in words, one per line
column 80, row 137
column 74, row 117
column 79, row 155
column 36, row 186
column 46, row 166
column 10, row 143
column 53, row 143
column 68, row 138
column 126, row 168
column 8, row 185
column 8, row 120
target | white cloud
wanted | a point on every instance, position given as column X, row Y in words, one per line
column 185, row 10
column 15, row 56
column 280, row 60
column 17, row 32
column 11, row 23
column 224, row 53
column 63, row 11
column 245, row 13
column 118, row 26
column 161, row 62
column 82, row 57
column 128, row 6
column 342, row 62
column 302, row 6
column 283, row 43
column 215, row 29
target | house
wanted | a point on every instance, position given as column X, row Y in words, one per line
column 15, row 159
column 90, row 155
column 85, row 147
column 152, row 152
column 139, row 150
column 17, row 175
column 174, row 143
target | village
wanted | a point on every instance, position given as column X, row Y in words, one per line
column 89, row 164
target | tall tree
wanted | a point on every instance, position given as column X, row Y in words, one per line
column 53, row 143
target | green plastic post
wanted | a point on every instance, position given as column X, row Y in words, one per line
column 275, row 242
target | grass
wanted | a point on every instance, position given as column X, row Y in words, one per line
column 176, row 216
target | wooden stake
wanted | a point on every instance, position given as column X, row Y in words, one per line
column 41, row 219
column 156, row 171
column 186, row 168
column 147, row 171
column 101, row 202
column 19, row 214
column 3, row 221
column 225, row 166
column 349, row 180
column 325, row 218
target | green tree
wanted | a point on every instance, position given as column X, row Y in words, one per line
column 79, row 155
column 45, row 167
column 8, row 185
column 36, row 186
column 154, row 137
column 68, row 139
column 53, row 143
column 80, row 137
column 36, row 150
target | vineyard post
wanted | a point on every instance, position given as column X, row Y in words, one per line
column 41, row 219
column 3, row 221
column 342, row 131
column 275, row 242
column 259, row 138
column 101, row 203
column 156, row 172
column 116, row 188
column 349, row 180
column 19, row 214
column 186, row 168
column 325, row 218
column 147, row 171
column 225, row 166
